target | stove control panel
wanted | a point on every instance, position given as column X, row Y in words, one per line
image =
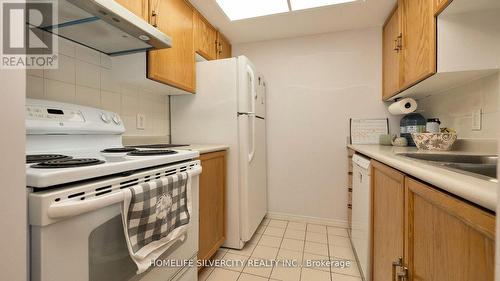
column 45, row 117
column 34, row 112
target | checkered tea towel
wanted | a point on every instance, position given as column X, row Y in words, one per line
column 155, row 215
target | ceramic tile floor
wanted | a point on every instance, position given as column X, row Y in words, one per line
column 279, row 240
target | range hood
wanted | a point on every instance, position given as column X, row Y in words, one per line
column 106, row 26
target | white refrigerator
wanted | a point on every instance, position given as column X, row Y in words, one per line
column 229, row 107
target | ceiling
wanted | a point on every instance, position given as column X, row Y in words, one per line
column 360, row 14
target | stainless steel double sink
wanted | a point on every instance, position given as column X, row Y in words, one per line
column 480, row 166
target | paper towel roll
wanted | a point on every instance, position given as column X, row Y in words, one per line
column 404, row 106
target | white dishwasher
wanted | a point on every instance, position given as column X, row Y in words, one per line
column 361, row 214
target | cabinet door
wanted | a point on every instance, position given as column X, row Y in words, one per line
column 388, row 220
column 224, row 47
column 391, row 55
column 205, row 37
column 419, row 41
column 440, row 5
column 138, row 7
column 448, row 239
column 174, row 66
column 212, row 203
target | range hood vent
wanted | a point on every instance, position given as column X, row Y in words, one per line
column 106, row 26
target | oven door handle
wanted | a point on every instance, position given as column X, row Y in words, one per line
column 74, row 208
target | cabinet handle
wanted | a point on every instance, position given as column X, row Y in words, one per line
column 400, row 42
column 395, row 265
column 403, row 274
column 154, row 18
column 396, row 45
column 154, row 14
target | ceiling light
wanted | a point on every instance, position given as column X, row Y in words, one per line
column 307, row 4
column 243, row 9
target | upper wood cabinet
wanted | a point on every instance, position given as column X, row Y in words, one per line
column 419, row 41
column 224, row 47
column 138, row 7
column 191, row 33
column 409, row 45
column 205, row 37
column 448, row 239
column 392, row 37
column 212, row 204
column 174, row 66
column 388, row 220
column 440, row 5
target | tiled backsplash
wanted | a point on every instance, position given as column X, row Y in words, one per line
column 84, row 77
column 455, row 107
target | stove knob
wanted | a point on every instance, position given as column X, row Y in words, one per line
column 105, row 118
column 117, row 119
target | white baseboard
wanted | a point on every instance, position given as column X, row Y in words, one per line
column 290, row 217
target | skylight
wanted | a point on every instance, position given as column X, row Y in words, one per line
column 244, row 9
column 308, row 4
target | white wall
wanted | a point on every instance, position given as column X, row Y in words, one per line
column 84, row 77
column 13, row 209
column 315, row 84
column 455, row 107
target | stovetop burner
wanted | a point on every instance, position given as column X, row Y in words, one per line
column 152, row 152
column 37, row 158
column 68, row 163
column 159, row 146
column 118, row 150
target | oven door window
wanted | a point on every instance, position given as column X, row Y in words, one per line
column 109, row 259
column 108, row 254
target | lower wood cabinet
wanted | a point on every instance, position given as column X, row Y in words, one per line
column 212, row 203
column 437, row 236
column 388, row 220
column 448, row 239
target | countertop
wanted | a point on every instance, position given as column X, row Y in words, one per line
column 205, row 148
column 479, row 191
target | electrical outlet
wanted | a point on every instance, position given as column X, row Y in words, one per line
column 477, row 119
column 141, row 121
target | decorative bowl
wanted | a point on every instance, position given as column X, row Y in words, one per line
column 434, row 141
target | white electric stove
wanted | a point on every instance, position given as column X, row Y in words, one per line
column 76, row 169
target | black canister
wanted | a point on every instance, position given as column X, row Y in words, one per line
column 412, row 123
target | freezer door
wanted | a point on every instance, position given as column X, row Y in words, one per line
column 253, row 174
column 260, row 99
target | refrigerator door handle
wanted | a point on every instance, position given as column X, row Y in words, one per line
column 251, row 114
column 252, row 151
column 246, row 113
